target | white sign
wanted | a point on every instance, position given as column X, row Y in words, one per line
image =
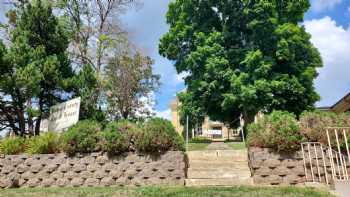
column 64, row 115
column 215, row 132
column 44, row 125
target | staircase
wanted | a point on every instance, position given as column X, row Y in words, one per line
column 218, row 168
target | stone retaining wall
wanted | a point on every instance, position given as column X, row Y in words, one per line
column 269, row 168
column 94, row 169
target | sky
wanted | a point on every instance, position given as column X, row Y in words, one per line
column 328, row 22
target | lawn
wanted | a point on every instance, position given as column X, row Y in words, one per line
column 168, row 191
column 197, row 146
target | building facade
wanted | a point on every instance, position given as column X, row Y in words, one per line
column 210, row 129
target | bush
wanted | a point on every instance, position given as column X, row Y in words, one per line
column 158, row 136
column 314, row 124
column 119, row 137
column 199, row 139
column 12, row 145
column 81, row 138
column 47, row 143
column 279, row 131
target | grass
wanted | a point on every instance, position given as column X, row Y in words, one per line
column 236, row 145
column 197, row 146
column 168, row 192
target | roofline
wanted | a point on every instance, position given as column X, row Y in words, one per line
column 342, row 99
column 324, row 108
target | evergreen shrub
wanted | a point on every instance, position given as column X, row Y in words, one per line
column 119, row 137
column 157, row 136
column 82, row 138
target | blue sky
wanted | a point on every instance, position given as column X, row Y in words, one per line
column 327, row 21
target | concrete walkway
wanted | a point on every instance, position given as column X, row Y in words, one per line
column 218, row 146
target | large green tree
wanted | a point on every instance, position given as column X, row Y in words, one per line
column 243, row 56
column 35, row 70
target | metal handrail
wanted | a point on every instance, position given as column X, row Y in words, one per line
column 338, row 161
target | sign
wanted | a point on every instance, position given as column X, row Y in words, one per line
column 44, row 125
column 215, row 132
column 64, row 115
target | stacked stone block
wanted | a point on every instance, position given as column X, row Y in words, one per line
column 270, row 168
column 90, row 170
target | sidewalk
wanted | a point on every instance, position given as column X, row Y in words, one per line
column 218, row 146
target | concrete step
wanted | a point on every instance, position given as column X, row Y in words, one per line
column 218, row 155
column 219, row 182
column 217, row 173
column 342, row 188
column 218, row 168
column 200, row 164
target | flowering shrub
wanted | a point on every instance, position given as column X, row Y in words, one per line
column 279, row 131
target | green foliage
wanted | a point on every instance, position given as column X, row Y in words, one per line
column 158, row 136
column 190, row 109
column 47, row 143
column 119, row 137
column 313, row 125
column 82, row 138
column 12, row 145
column 199, row 139
column 279, row 131
column 242, row 57
column 114, row 142
column 35, row 67
column 85, row 86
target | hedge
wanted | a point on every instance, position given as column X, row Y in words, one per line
column 154, row 136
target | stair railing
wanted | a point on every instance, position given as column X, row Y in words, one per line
column 323, row 163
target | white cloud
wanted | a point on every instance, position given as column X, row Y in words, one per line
column 179, row 78
column 166, row 114
column 3, row 10
column 333, row 43
column 322, row 5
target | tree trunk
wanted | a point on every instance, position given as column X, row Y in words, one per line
column 248, row 119
column 125, row 114
column 30, row 119
column 38, row 121
column 21, row 122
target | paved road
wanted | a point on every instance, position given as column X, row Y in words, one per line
column 218, row 146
